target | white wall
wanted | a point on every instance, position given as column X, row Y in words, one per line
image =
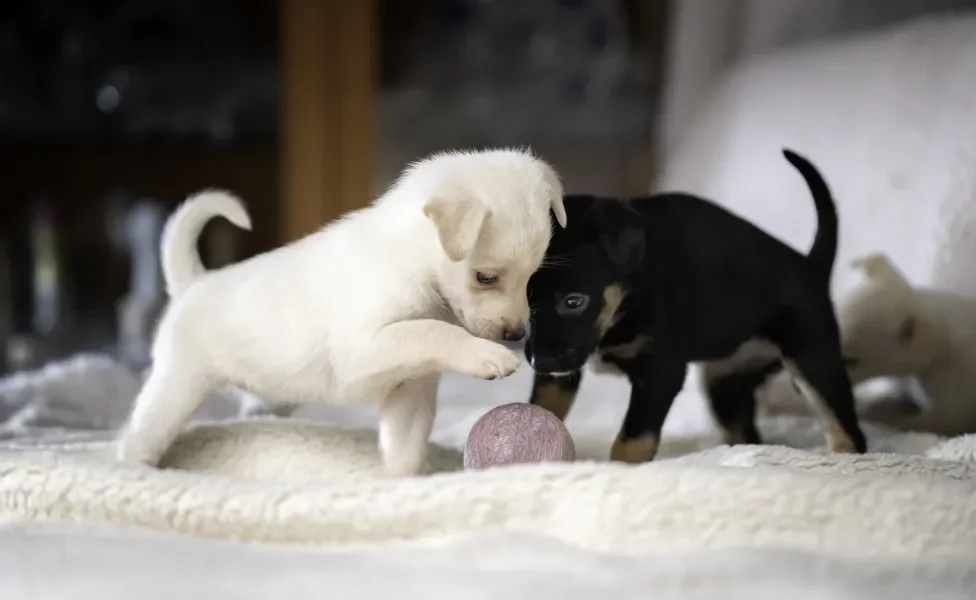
column 708, row 36
column 889, row 117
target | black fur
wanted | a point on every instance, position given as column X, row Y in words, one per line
column 698, row 282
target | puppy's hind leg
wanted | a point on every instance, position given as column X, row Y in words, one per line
column 812, row 355
column 733, row 402
column 162, row 409
column 732, row 397
column 406, row 420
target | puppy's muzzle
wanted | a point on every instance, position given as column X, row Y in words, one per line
column 564, row 361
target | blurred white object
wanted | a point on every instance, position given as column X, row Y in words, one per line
column 895, row 329
column 85, row 392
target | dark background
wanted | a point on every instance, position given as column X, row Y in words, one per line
column 305, row 108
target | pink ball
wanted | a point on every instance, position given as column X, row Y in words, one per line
column 517, row 433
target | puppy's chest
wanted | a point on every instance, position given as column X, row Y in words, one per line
column 617, row 354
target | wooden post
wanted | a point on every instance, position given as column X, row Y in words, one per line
column 328, row 130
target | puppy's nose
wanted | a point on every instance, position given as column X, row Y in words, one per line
column 514, row 335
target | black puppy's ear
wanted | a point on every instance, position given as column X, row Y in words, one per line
column 624, row 249
column 622, row 235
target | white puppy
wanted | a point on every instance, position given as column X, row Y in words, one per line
column 370, row 309
column 924, row 338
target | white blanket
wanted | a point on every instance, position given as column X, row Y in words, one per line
column 287, row 481
column 699, row 523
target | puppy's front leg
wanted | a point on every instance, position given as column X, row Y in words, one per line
column 406, row 420
column 655, row 382
column 556, row 394
column 423, row 347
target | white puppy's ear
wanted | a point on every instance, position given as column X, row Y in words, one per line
column 922, row 337
column 879, row 267
column 458, row 222
column 559, row 210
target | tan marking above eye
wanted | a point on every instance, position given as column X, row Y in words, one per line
column 613, row 297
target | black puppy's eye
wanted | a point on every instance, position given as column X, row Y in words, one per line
column 851, row 362
column 572, row 304
column 485, row 278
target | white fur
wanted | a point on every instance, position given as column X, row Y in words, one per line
column 370, row 309
column 895, row 329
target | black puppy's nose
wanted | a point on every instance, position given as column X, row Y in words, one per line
column 572, row 353
column 514, row 335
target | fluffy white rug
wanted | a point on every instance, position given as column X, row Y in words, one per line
column 292, row 482
column 318, row 482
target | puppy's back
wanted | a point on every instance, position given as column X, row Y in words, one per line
column 707, row 233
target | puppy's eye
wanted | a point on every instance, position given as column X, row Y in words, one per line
column 850, row 362
column 572, row 304
column 485, row 278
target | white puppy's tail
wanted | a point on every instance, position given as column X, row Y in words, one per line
column 181, row 260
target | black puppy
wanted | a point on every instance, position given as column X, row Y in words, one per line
column 654, row 283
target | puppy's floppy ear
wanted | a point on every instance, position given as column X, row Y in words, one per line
column 559, row 210
column 458, row 221
column 621, row 235
column 556, row 197
column 879, row 268
column 906, row 330
column 924, row 338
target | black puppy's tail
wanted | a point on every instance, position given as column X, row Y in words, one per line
column 824, row 249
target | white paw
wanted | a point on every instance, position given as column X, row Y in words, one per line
column 404, row 467
column 130, row 450
column 483, row 359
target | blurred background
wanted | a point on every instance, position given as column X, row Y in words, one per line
column 112, row 111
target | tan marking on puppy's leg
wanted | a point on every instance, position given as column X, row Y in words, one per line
column 555, row 398
column 637, row 450
column 837, row 438
column 613, row 296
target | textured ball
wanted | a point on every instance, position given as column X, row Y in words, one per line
column 517, row 433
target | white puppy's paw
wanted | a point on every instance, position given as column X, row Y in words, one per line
column 483, row 359
column 131, row 450
column 406, row 468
